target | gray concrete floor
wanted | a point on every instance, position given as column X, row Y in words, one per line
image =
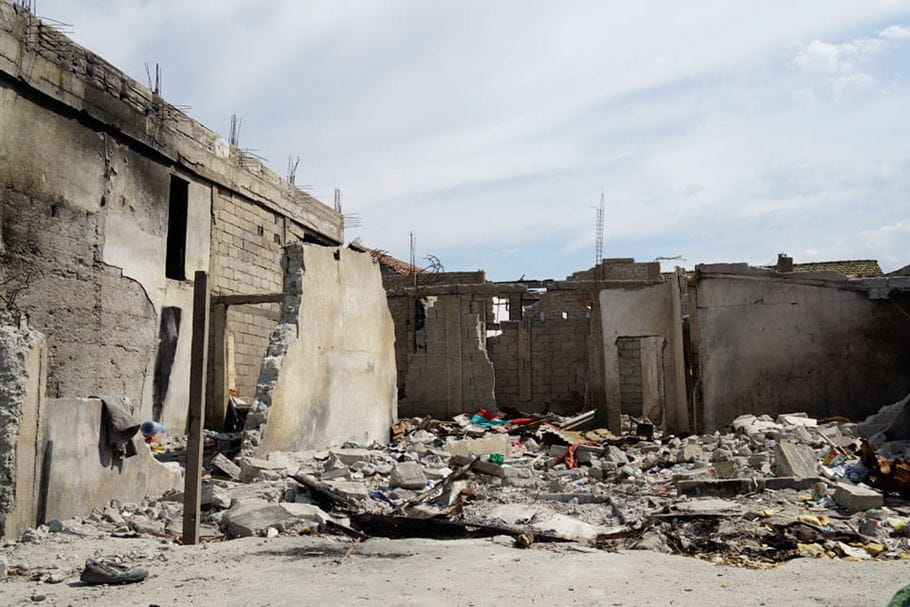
column 313, row 571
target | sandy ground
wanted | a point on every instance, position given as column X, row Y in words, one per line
column 316, row 571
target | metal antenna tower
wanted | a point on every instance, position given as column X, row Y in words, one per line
column 599, row 233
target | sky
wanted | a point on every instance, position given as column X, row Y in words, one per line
column 718, row 131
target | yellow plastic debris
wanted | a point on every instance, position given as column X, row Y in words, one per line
column 814, row 551
column 819, row 520
column 874, row 548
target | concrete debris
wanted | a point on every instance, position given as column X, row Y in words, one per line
column 408, row 475
column 731, row 497
column 856, row 497
column 796, row 460
column 229, row 468
column 255, row 517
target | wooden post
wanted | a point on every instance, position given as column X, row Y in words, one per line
column 216, row 395
column 192, row 494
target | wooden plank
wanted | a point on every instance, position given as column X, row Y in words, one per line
column 248, row 299
column 217, row 381
column 192, row 494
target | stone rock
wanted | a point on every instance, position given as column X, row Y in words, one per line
column 497, row 443
column 229, row 468
column 251, row 467
column 254, row 517
column 352, row 456
column 796, row 419
column 616, row 455
column 689, row 453
column 856, row 497
column 215, row 496
column 408, row 475
column 795, row 460
column 402, row 494
column 726, row 469
column 351, row 489
column 649, row 461
column 749, row 424
column 4, row 567
column 706, row 505
column 307, row 512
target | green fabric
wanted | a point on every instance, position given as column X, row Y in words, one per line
column 901, row 599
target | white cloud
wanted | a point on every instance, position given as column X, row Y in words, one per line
column 491, row 127
column 836, row 58
column 895, row 31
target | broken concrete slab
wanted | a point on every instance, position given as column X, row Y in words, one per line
column 499, row 443
column 307, row 512
column 408, row 475
column 214, row 496
column 750, row 424
column 793, row 459
column 352, row 456
column 229, row 468
column 706, row 506
column 250, row 467
column 546, row 520
column 738, row 486
column 797, row 419
column 255, row 517
column 857, row 497
column 350, row 489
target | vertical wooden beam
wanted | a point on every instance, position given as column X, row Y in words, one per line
column 218, row 369
column 192, row 494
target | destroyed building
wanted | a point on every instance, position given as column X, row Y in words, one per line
column 144, row 258
column 690, row 351
column 112, row 198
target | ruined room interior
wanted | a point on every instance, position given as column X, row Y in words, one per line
column 281, row 385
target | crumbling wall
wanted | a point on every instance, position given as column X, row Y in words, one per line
column 329, row 372
column 448, row 369
column 22, row 405
column 773, row 343
column 100, row 326
column 542, row 361
column 404, row 310
column 246, row 258
column 95, row 153
column 80, row 472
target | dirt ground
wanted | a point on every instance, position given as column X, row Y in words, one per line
column 320, row 571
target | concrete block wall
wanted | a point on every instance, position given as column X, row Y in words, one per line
column 247, row 242
column 448, row 370
column 554, row 355
column 628, row 350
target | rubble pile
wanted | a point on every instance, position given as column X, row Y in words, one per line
column 766, row 491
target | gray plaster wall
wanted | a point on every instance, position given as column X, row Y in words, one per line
column 770, row 343
column 79, row 470
column 640, row 311
column 329, row 373
column 23, row 362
